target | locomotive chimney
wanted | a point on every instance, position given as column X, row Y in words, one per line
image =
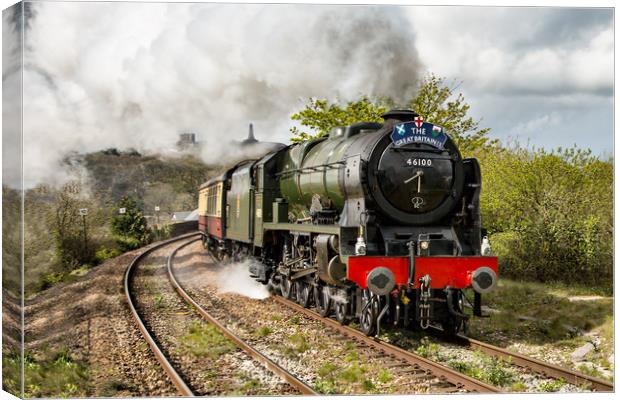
column 399, row 115
column 251, row 137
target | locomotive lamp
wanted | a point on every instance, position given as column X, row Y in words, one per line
column 424, row 244
column 360, row 245
column 485, row 247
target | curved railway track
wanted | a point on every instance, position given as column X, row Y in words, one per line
column 538, row 366
column 172, row 373
column 254, row 353
column 177, row 380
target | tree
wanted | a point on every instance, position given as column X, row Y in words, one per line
column 130, row 227
column 69, row 228
column 321, row 116
column 435, row 101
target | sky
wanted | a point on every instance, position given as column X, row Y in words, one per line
column 100, row 75
column 538, row 76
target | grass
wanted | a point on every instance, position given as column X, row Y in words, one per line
column 205, row 340
column 326, row 387
column 352, row 378
column 159, row 301
column 327, row 369
column 549, row 316
column 48, row 374
column 427, row 349
column 466, row 368
column 588, row 370
column 497, row 374
column 250, row 385
column 352, row 356
column 353, row 375
column 551, row 386
column 491, row 370
column 264, row 331
column 384, row 376
column 299, row 344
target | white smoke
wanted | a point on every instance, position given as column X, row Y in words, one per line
column 235, row 278
column 124, row 75
column 11, row 97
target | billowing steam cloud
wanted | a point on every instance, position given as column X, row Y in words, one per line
column 136, row 75
column 11, row 96
column 234, row 278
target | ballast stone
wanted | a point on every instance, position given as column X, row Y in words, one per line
column 581, row 353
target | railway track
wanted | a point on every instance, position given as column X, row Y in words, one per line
column 452, row 381
column 435, row 377
column 538, row 366
column 175, row 376
column 172, row 373
column 254, row 353
column 448, row 380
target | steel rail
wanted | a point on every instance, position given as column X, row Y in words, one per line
column 539, row 366
column 254, row 353
column 174, row 376
column 456, row 378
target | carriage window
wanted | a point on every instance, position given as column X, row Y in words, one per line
column 213, row 201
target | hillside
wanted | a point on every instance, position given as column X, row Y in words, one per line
column 105, row 177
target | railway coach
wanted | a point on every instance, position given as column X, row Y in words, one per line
column 375, row 222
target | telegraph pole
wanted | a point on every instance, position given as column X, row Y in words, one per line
column 157, row 215
column 83, row 213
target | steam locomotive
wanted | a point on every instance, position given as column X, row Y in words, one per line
column 375, row 222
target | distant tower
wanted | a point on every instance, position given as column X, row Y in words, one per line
column 186, row 140
column 251, row 139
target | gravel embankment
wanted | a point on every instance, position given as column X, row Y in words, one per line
column 91, row 319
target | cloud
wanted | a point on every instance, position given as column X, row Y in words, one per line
column 124, row 75
column 536, row 125
column 542, row 74
column 537, row 51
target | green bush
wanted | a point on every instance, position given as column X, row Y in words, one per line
column 129, row 229
column 104, row 253
column 160, row 232
column 127, row 243
column 50, row 279
column 549, row 214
